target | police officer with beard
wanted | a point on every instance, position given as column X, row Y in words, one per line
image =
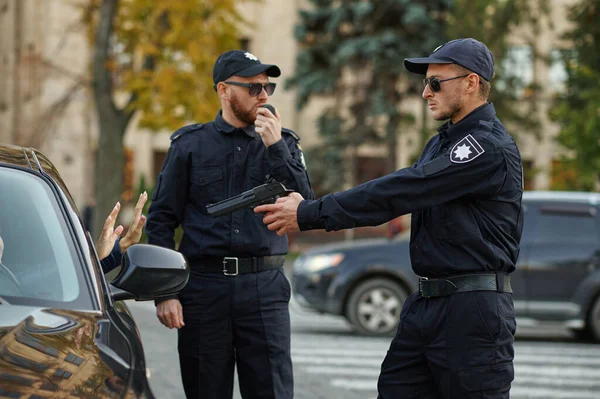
column 456, row 334
column 234, row 309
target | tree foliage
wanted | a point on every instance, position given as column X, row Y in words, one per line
column 492, row 22
column 352, row 52
column 155, row 58
column 578, row 108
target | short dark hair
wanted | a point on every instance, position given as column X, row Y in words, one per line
column 484, row 86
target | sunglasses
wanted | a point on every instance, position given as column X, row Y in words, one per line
column 434, row 83
column 256, row 88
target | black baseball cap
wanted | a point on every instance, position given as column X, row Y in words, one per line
column 241, row 63
column 468, row 53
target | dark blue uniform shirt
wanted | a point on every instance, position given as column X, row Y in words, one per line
column 464, row 193
column 207, row 163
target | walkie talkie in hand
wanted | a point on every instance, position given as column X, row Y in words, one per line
column 269, row 107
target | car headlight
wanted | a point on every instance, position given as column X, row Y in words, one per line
column 319, row 262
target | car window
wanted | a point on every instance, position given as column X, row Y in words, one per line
column 38, row 262
column 576, row 225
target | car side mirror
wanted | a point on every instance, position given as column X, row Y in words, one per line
column 149, row 272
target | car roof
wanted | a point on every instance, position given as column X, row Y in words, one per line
column 18, row 156
column 562, row 196
column 32, row 159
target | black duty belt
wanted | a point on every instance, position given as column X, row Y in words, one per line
column 232, row 266
column 498, row 282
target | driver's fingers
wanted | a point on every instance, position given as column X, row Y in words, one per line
column 110, row 221
column 118, row 231
column 139, row 206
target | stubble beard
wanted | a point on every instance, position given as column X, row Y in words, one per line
column 248, row 116
column 453, row 107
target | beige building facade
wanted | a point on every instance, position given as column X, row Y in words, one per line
column 44, row 80
column 45, row 100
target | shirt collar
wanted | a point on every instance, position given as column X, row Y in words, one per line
column 484, row 112
column 225, row 127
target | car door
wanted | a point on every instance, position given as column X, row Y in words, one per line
column 562, row 247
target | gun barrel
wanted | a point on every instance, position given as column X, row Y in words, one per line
column 231, row 204
column 255, row 196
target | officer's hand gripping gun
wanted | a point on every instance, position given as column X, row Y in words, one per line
column 264, row 194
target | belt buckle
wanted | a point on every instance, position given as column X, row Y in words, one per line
column 421, row 279
column 225, row 263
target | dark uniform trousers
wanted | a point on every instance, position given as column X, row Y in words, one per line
column 453, row 347
column 241, row 320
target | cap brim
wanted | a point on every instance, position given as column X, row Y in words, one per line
column 420, row 65
column 271, row 70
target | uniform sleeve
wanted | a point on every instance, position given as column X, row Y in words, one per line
column 113, row 260
column 408, row 190
column 286, row 165
column 168, row 199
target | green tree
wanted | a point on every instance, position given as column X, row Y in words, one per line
column 578, row 108
column 491, row 22
column 154, row 58
column 352, row 52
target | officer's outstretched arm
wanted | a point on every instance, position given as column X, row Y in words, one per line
column 410, row 189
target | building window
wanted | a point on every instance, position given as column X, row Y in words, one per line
column 369, row 168
column 557, row 72
column 157, row 162
column 518, row 70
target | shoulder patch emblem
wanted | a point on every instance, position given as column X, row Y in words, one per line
column 466, row 150
column 301, row 155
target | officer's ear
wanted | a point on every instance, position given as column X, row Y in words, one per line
column 221, row 89
column 472, row 83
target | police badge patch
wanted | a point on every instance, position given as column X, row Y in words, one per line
column 301, row 155
column 466, row 150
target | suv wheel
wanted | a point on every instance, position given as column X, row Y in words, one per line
column 374, row 307
column 594, row 320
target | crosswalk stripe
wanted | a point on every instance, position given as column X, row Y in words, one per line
column 360, row 355
column 548, row 372
column 564, row 361
column 556, row 371
column 332, row 361
column 539, row 379
column 548, row 393
column 543, row 370
column 346, row 371
column 354, row 384
column 339, row 352
column 341, row 348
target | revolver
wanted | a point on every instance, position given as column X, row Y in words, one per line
column 264, row 194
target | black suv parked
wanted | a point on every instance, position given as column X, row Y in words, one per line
column 557, row 277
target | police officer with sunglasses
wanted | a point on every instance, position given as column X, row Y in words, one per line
column 234, row 309
column 456, row 333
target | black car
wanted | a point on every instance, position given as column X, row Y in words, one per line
column 65, row 331
column 557, row 277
